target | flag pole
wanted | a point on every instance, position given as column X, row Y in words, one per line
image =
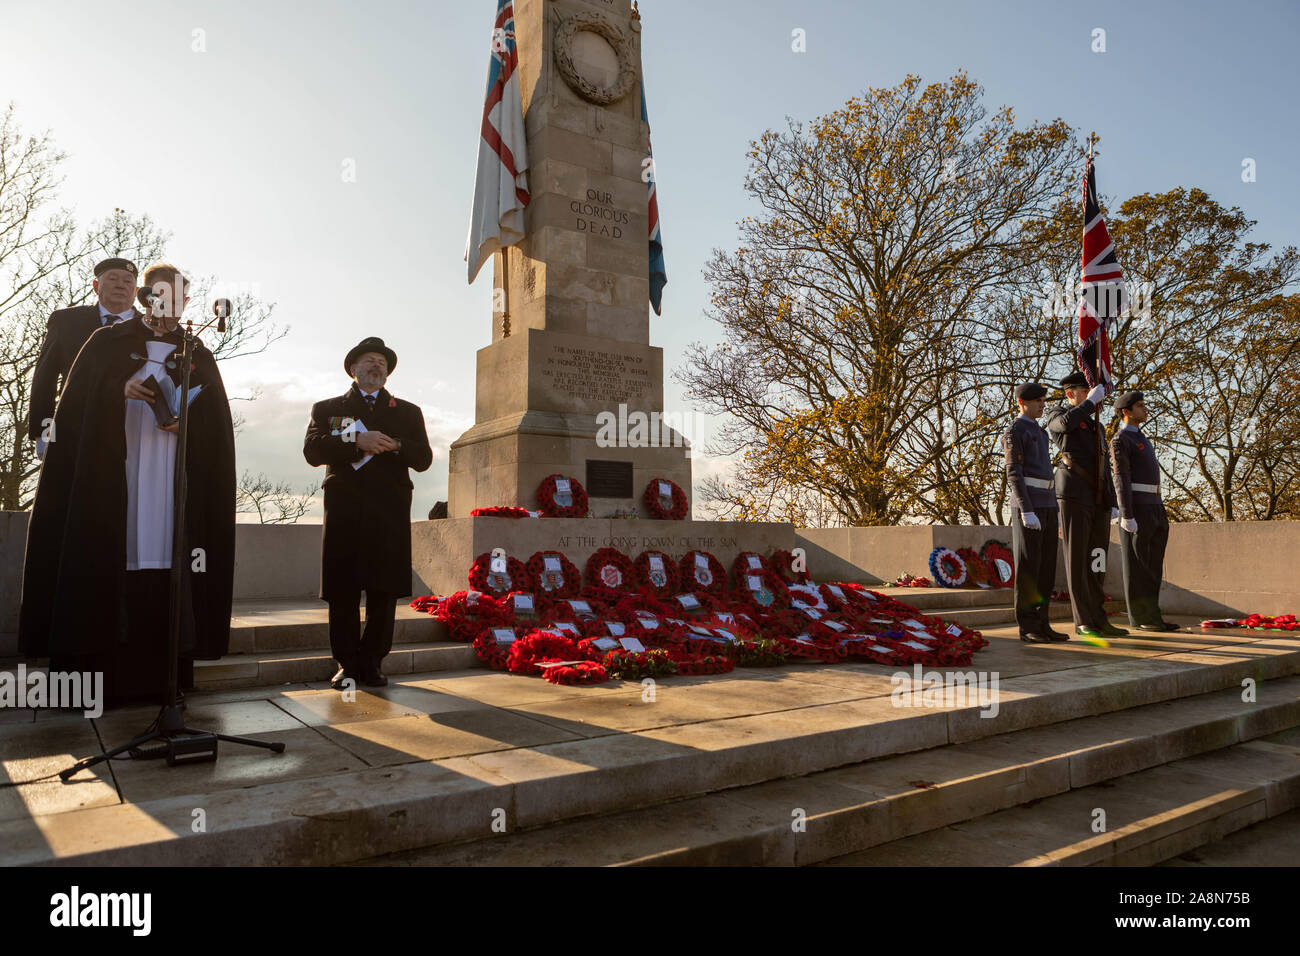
column 1096, row 411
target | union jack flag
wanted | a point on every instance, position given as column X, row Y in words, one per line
column 658, row 273
column 501, row 184
column 1103, row 298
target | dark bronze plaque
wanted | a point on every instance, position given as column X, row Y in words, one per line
column 609, row 479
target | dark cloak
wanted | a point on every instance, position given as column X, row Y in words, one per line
column 75, row 566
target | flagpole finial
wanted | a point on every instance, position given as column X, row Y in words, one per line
column 1092, row 141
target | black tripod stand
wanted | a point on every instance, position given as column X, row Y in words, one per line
column 180, row 744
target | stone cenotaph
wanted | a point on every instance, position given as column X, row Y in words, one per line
column 571, row 332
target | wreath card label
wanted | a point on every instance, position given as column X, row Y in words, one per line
column 615, row 628
column 665, row 496
column 552, row 573
column 503, row 635
column 632, row 644
column 702, row 572
column 563, row 493
column 754, row 562
column 523, row 605
column 605, row 643
column 658, row 576
column 761, row 594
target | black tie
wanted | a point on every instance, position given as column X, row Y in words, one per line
column 370, row 400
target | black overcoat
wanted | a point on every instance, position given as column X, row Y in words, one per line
column 366, row 543
column 65, row 333
column 73, row 573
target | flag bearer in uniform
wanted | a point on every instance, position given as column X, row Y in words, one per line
column 1144, row 527
column 1033, row 516
column 1085, row 524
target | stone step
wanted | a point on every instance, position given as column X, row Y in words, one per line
column 259, row 626
column 882, row 803
column 1149, row 816
column 1273, row 842
column 305, row 666
column 439, row 759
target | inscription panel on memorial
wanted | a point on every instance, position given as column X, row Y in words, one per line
column 601, row 376
column 596, row 215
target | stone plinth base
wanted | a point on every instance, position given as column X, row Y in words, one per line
column 442, row 551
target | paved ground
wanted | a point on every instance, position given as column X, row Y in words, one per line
column 435, row 717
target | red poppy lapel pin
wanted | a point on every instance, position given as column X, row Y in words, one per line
column 392, row 402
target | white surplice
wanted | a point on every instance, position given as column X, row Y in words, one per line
column 150, row 474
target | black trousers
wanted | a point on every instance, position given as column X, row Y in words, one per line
column 1035, row 553
column 352, row 648
column 1143, row 557
column 1085, row 530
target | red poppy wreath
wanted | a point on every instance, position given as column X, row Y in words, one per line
column 656, row 572
column 553, row 575
column 610, row 569
column 497, row 575
column 561, row 497
column 701, row 571
column 665, row 500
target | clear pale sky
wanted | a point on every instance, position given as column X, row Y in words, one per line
column 239, row 150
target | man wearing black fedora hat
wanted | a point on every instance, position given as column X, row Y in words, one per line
column 1086, row 498
column 366, row 439
column 66, row 332
column 1144, row 526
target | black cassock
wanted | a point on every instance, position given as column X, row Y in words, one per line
column 76, row 609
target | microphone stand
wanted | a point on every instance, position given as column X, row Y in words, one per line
column 181, row 744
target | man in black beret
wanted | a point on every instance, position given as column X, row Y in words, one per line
column 66, row 332
column 1033, row 516
column 1085, row 524
column 367, row 439
column 1144, row 526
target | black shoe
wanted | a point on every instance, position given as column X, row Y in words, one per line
column 1032, row 638
column 1056, row 637
column 338, row 681
column 1159, row 626
column 1110, row 630
column 371, row 676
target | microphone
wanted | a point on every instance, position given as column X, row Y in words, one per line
column 222, row 308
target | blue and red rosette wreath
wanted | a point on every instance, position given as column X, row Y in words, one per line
column 948, row 568
column 670, row 507
column 553, row 508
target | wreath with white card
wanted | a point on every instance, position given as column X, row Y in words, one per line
column 562, row 497
column 664, row 500
column 657, row 573
column 554, row 575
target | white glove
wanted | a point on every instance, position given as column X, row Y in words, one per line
column 1114, row 515
column 1130, row 525
column 1097, row 394
column 41, row 445
column 1030, row 521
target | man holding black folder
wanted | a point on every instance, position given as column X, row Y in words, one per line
column 99, row 544
column 367, row 439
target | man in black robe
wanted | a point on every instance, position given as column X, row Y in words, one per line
column 367, row 439
column 66, row 332
column 96, row 575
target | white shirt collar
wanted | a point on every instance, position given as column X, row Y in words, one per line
column 104, row 314
column 364, row 392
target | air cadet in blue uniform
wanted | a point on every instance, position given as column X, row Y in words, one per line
column 1085, row 521
column 1033, row 516
column 1144, row 527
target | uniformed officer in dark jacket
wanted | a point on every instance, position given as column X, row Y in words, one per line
column 1085, row 521
column 1033, row 516
column 367, row 439
column 66, row 332
column 1144, row 527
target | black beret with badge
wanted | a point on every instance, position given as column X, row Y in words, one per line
column 1030, row 390
column 371, row 344
column 116, row 262
column 1074, row 380
column 1127, row 400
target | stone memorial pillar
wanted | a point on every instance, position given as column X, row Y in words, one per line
column 570, row 383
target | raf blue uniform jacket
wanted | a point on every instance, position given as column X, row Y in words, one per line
column 1135, row 463
column 1024, row 445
